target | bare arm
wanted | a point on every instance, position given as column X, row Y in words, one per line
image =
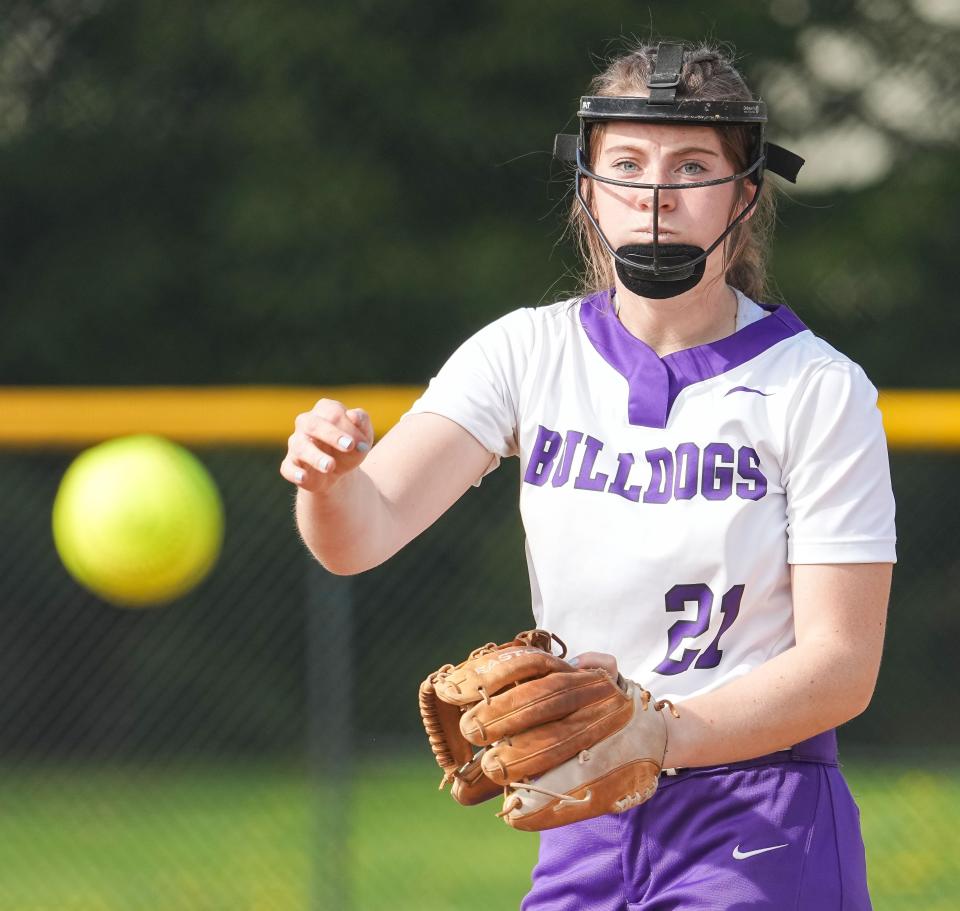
column 827, row 678
column 357, row 509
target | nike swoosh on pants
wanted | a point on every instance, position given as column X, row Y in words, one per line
column 742, row 855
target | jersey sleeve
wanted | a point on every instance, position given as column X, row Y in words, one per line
column 840, row 506
column 479, row 386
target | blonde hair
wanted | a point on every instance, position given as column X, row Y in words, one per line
column 708, row 74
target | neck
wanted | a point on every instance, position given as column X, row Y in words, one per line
column 698, row 317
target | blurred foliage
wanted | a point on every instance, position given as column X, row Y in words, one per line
column 295, row 192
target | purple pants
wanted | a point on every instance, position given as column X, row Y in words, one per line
column 780, row 832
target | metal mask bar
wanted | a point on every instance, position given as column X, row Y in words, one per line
column 587, row 171
column 683, row 110
column 656, row 229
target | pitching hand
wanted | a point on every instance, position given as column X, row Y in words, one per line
column 328, row 442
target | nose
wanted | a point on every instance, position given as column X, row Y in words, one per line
column 663, row 200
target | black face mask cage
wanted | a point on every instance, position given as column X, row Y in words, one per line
column 637, row 262
column 662, row 106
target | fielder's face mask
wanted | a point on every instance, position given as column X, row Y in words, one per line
column 659, row 270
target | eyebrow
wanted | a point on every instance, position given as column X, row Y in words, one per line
column 686, row 150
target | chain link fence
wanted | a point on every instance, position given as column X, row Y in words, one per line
column 256, row 744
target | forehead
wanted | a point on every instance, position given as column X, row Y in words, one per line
column 659, row 136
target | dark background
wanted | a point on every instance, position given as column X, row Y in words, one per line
column 290, row 192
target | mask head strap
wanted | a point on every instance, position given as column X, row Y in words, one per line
column 665, row 79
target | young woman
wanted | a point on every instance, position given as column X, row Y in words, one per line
column 705, row 494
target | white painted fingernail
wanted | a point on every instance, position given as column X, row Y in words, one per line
column 345, row 442
column 363, row 447
column 298, row 475
column 324, row 463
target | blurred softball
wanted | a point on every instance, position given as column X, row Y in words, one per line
column 138, row 520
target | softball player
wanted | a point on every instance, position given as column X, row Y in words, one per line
column 705, row 494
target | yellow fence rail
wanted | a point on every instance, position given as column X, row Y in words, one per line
column 68, row 417
column 65, row 417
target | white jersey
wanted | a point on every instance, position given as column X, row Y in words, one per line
column 663, row 498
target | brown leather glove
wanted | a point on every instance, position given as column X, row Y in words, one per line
column 562, row 744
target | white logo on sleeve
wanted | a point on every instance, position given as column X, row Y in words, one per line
column 743, row 855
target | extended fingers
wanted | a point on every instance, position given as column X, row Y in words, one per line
column 296, row 473
column 362, row 421
column 326, row 440
column 332, row 428
column 306, row 452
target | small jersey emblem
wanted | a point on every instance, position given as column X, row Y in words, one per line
column 745, row 389
column 743, row 855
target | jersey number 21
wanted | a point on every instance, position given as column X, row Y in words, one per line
column 700, row 594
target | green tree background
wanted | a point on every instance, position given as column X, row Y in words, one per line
column 294, row 192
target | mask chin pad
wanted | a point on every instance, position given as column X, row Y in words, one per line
column 684, row 274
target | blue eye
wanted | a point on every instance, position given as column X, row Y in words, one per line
column 627, row 167
column 691, row 168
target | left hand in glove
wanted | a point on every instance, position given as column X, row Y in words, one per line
column 563, row 743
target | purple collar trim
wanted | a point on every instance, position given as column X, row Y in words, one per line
column 655, row 382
